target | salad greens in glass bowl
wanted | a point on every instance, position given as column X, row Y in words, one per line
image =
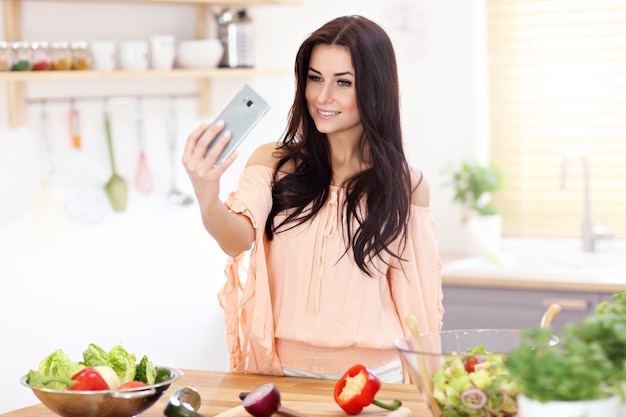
column 464, row 373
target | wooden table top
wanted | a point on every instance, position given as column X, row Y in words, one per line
column 220, row 391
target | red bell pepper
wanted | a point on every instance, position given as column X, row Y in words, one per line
column 88, row 379
column 356, row 389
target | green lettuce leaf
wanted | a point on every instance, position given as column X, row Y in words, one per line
column 146, row 372
column 58, row 364
column 123, row 363
column 95, row 356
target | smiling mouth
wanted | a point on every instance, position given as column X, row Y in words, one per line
column 327, row 114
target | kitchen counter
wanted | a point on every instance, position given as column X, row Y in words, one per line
column 220, row 391
column 542, row 264
column 506, row 280
column 515, row 287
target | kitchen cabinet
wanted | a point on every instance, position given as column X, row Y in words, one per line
column 470, row 307
column 16, row 100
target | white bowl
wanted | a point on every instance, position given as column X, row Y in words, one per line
column 200, row 53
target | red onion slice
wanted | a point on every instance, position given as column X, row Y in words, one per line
column 473, row 399
column 263, row 401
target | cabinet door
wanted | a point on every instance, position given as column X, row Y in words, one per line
column 472, row 307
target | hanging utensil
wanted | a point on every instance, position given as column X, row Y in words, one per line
column 86, row 206
column 46, row 209
column 74, row 121
column 117, row 187
column 175, row 195
column 143, row 176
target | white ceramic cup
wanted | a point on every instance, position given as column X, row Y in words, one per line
column 104, row 54
column 133, row 55
column 162, row 52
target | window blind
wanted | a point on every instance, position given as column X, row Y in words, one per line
column 557, row 92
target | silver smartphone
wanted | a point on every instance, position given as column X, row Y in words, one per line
column 240, row 115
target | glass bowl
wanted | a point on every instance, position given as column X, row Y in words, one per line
column 462, row 372
column 110, row 403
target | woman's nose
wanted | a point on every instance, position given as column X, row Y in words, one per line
column 325, row 94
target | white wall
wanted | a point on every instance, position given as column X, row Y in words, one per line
column 148, row 277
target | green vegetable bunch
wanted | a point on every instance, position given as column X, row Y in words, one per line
column 607, row 327
column 124, row 363
column 586, row 364
column 473, row 184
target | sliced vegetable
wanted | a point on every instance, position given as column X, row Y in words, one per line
column 132, row 384
column 263, row 401
column 109, row 375
column 475, row 384
column 356, row 389
column 471, row 361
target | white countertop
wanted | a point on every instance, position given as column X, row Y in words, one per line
column 554, row 264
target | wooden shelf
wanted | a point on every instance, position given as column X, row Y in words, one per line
column 243, row 3
column 15, row 76
column 16, row 98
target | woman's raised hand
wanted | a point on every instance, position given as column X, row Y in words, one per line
column 201, row 169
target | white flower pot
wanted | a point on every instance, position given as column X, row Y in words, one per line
column 608, row 407
column 484, row 234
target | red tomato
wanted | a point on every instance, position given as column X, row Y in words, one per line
column 470, row 362
column 132, row 384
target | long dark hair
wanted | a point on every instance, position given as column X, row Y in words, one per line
column 378, row 199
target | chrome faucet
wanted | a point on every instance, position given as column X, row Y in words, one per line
column 590, row 232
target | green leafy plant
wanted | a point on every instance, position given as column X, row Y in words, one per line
column 570, row 370
column 588, row 362
column 473, row 184
column 607, row 326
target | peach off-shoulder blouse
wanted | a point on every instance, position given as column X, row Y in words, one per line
column 289, row 300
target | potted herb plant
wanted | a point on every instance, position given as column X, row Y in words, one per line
column 607, row 326
column 473, row 185
column 573, row 377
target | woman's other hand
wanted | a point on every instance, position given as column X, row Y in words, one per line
column 201, row 169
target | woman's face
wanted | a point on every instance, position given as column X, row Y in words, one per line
column 331, row 92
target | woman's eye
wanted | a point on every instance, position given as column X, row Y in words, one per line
column 313, row 77
column 344, row 83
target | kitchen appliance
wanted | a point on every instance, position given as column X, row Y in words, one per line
column 235, row 31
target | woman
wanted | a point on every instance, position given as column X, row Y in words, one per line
column 341, row 242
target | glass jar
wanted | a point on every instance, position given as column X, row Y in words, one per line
column 6, row 56
column 22, row 56
column 42, row 61
column 81, row 58
column 61, row 56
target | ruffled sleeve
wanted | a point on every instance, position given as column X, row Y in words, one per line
column 416, row 285
column 245, row 297
column 416, row 282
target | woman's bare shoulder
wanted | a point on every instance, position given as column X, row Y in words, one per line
column 265, row 155
column 421, row 190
